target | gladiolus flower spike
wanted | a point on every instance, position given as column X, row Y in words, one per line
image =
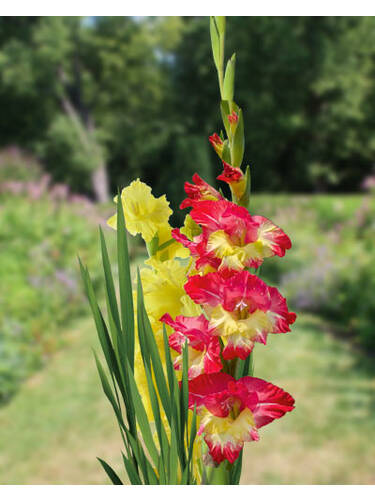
column 179, row 347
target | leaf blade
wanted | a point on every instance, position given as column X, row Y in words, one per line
column 110, row 472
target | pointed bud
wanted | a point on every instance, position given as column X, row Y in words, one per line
column 235, row 178
column 217, row 144
column 233, row 118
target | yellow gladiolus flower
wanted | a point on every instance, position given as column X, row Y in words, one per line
column 173, row 248
column 144, row 213
column 165, row 279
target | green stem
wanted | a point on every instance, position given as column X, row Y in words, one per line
column 166, row 244
column 220, row 474
column 153, row 246
column 221, row 66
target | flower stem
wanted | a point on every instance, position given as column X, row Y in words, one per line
column 221, row 474
column 221, row 66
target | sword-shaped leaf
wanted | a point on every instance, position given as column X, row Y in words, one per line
column 110, row 472
column 125, row 284
column 131, row 471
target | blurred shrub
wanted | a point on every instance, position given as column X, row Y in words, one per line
column 68, row 160
column 330, row 268
column 40, row 287
column 16, row 165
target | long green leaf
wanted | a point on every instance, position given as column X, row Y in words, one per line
column 236, row 470
column 228, row 90
column 163, row 440
column 174, row 389
column 110, row 287
column 245, row 199
column 184, row 388
column 226, row 156
column 220, row 23
column 148, row 472
column 143, row 422
column 193, row 434
column 110, row 472
column 152, row 348
column 131, row 471
column 185, row 476
column 140, row 324
column 108, row 391
column 168, row 362
column 102, row 331
column 125, row 285
column 173, row 456
column 238, row 144
column 139, row 455
column 215, row 41
column 225, row 111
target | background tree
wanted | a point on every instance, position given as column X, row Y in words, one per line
column 306, row 85
column 104, row 100
column 99, row 84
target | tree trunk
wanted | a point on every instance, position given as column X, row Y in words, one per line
column 85, row 129
column 100, row 183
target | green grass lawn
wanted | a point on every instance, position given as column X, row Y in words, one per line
column 59, row 421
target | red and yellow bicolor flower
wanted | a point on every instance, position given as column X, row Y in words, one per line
column 231, row 237
column 203, row 345
column 235, row 178
column 241, row 308
column 232, row 410
column 199, row 191
column 204, row 261
column 217, row 144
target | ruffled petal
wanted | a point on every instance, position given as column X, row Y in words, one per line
column 203, row 345
column 205, row 385
column 273, row 402
column 199, row 191
column 207, row 289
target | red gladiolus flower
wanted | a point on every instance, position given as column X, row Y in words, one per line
column 197, row 247
column 203, row 346
column 232, row 410
column 198, row 192
column 235, row 178
column 241, row 307
column 230, row 174
column 217, row 144
column 232, row 237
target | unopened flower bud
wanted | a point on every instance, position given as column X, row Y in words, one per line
column 217, row 144
column 233, row 118
column 235, row 178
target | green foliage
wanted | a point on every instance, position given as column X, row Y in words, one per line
column 104, row 77
column 39, row 285
column 305, row 86
column 16, row 165
column 68, row 161
column 146, row 87
column 155, row 458
column 330, row 268
column 228, row 88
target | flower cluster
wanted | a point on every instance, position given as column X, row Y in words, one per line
column 213, row 302
column 238, row 309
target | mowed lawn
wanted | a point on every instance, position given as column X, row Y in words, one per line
column 51, row 432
